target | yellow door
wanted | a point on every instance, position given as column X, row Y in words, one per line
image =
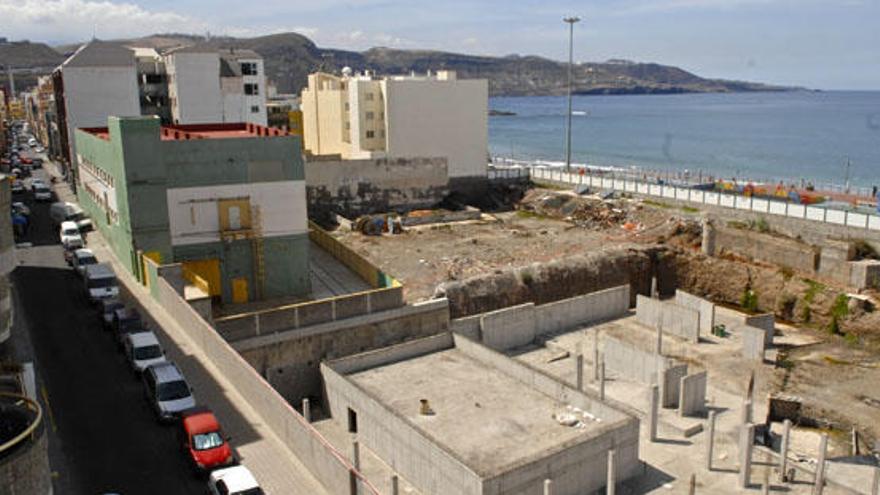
column 209, row 271
column 239, row 290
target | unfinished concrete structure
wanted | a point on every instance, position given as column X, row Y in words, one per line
column 452, row 416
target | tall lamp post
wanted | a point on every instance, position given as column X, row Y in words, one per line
column 571, row 22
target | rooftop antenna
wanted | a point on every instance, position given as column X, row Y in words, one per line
column 94, row 32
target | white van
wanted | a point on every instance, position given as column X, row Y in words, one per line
column 100, row 282
column 143, row 350
column 63, row 211
column 70, row 236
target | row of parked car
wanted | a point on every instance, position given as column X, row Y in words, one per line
column 166, row 390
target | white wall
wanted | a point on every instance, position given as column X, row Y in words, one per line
column 195, row 86
column 282, row 209
column 439, row 118
column 254, row 100
column 94, row 93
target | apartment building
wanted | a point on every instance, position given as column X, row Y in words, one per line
column 225, row 200
column 363, row 116
column 152, row 83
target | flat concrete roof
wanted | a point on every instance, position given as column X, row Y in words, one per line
column 489, row 420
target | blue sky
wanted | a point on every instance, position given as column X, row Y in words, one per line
column 827, row 44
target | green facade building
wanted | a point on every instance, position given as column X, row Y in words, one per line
column 225, row 200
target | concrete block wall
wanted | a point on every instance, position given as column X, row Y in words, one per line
column 675, row 320
column 509, row 327
column 692, row 398
column 766, row 322
column 418, row 457
column 700, row 305
column 575, row 469
column 563, row 315
column 753, row 340
column 469, row 326
column 312, row 449
column 794, row 254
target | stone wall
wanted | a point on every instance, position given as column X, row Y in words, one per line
column 355, row 187
column 767, row 248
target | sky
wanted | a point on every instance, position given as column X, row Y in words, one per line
column 821, row 44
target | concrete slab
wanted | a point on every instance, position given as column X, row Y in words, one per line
column 331, row 278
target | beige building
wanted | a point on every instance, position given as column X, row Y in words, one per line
column 363, row 116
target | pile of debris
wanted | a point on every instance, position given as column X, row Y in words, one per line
column 591, row 212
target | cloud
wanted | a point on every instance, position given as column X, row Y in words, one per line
column 651, row 6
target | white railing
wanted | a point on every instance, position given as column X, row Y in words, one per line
column 713, row 198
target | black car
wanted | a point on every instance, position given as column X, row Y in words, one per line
column 107, row 309
column 126, row 320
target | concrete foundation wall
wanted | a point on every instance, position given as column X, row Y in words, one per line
column 468, row 326
column 766, row 322
column 509, row 327
column 355, row 187
column 563, row 315
column 865, row 274
column 670, row 384
column 574, row 469
column 674, row 319
column 780, row 251
column 645, row 367
column 753, row 342
column 414, row 454
column 692, row 398
column 702, row 306
column 290, row 360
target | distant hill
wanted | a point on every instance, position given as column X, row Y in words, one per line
column 290, row 57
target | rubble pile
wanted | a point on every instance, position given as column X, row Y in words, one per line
column 589, row 212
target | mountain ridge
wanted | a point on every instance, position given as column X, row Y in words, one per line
column 290, row 57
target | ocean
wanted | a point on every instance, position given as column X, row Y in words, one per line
column 788, row 136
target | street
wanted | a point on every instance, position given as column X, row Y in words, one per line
column 104, row 438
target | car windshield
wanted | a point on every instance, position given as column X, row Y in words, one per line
column 205, row 441
column 172, row 390
column 87, row 260
column 75, row 217
column 130, row 323
column 147, row 352
column 71, row 232
column 102, row 283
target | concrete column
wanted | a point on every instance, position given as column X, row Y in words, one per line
column 307, row 410
column 655, row 292
column 395, row 490
column 692, row 485
column 611, row 484
column 579, row 364
column 708, row 241
column 548, row 487
column 746, row 443
column 783, row 450
column 356, row 454
column 875, row 486
column 710, row 441
column 658, row 347
column 820, row 465
column 595, row 355
column 653, row 404
column 602, row 380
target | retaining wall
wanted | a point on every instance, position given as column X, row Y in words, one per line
column 563, row 315
column 777, row 250
column 765, row 322
column 674, row 319
column 510, row 327
column 313, row 450
column 700, row 305
column 692, row 398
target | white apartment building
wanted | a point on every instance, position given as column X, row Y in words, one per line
column 206, row 85
column 436, row 115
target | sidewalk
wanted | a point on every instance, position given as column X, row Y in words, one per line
column 275, row 467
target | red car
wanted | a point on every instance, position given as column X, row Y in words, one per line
column 202, row 440
column 26, row 160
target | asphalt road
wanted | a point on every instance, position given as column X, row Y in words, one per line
column 103, row 436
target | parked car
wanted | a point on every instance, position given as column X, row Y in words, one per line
column 167, row 391
column 17, row 186
column 100, row 282
column 125, row 321
column 107, row 308
column 70, row 236
column 202, row 440
column 63, row 211
column 235, row 480
column 19, row 208
column 142, row 350
column 81, row 258
column 42, row 192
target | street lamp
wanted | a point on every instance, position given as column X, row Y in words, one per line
column 571, row 22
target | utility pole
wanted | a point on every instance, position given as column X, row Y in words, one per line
column 846, row 182
column 571, row 22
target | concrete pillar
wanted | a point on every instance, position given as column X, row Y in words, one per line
column 710, row 441
column 579, row 364
column 746, row 443
column 307, row 410
column 708, row 242
column 611, row 484
column 595, row 355
column 356, row 454
column 875, row 486
column 655, row 292
column 653, row 404
column 692, row 485
column 395, row 489
column 548, row 487
column 820, row 465
column 602, row 380
column 783, row 449
column 658, row 347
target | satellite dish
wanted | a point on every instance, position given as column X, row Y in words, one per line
column 346, row 71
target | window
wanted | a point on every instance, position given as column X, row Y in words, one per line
column 251, row 89
column 371, row 134
column 248, row 68
column 255, row 109
column 370, row 116
column 369, row 96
